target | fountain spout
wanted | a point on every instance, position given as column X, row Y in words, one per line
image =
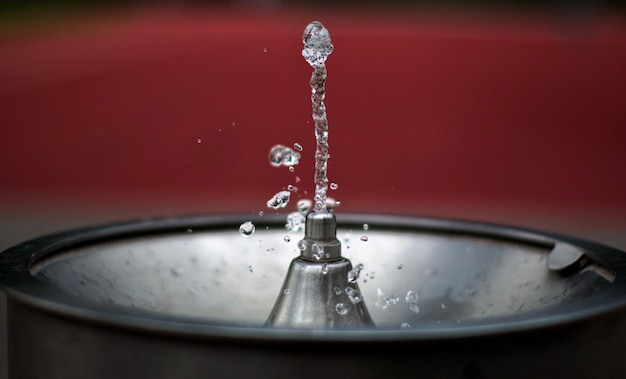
column 321, row 243
column 317, row 292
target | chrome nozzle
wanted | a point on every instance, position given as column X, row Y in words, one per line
column 320, row 235
column 314, row 294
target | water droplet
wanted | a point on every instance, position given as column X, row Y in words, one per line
column 251, row 268
column 400, row 266
column 392, row 300
column 301, row 244
column 279, row 200
column 260, row 213
column 247, row 228
column 353, row 275
column 265, row 49
column 411, row 297
column 364, row 238
column 334, row 186
column 337, row 290
column 297, row 146
column 341, row 308
column 295, row 222
column 354, row 295
column 297, row 179
column 371, row 274
column 287, row 238
column 317, row 44
column 405, row 325
column 292, row 169
column 414, row 308
column 189, row 230
column 317, row 250
column 384, row 301
column 304, row 205
column 287, row 291
column 332, row 203
column 325, row 268
column 443, row 306
column 199, row 140
column 283, row 156
column 292, row 188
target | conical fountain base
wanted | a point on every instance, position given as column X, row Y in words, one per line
column 318, row 295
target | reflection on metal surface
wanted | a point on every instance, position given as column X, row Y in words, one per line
column 220, row 276
column 564, row 256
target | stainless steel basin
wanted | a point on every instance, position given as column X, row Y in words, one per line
column 188, row 297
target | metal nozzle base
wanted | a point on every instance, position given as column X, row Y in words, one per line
column 314, row 296
column 316, row 293
column 320, row 235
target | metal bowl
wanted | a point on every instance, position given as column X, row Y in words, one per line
column 188, row 297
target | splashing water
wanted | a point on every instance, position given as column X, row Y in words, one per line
column 341, row 308
column 318, row 251
column 283, row 156
column 247, row 229
column 295, row 222
column 317, row 48
column 332, row 203
column 385, row 301
column 354, row 295
column 279, row 200
column 411, row 297
column 317, row 44
column 353, row 275
column 304, row 205
column 302, row 245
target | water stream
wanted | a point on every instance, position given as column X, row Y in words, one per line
column 317, row 48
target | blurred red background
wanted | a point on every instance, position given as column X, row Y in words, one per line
column 491, row 116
